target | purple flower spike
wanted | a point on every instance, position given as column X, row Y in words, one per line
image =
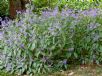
column 93, row 25
column 4, row 23
column 69, row 11
column 46, row 13
column 6, row 19
column 55, row 12
column 1, row 35
column 93, row 13
column 85, row 13
column 74, row 16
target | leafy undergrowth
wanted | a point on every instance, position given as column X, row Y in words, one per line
column 2, row 73
column 81, row 71
column 73, row 71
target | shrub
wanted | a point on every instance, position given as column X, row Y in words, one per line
column 4, row 7
column 39, row 5
column 34, row 44
column 45, row 3
column 82, row 5
column 72, row 4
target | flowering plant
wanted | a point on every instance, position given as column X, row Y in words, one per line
column 35, row 44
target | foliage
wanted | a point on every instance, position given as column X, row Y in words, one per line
column 43, row 5
column 38, row 44
column 4, row 7
column 73, row 4
column 79, row 4
column 2, row 73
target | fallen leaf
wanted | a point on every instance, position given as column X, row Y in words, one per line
column 71, row 73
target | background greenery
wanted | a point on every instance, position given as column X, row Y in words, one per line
column 4, row 7
column 45, row 4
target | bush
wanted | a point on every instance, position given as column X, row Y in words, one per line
column 4, row 7
column 72, row 4
column 45, row 3
column 81, row 5
column 39, row 5
column 34, row 44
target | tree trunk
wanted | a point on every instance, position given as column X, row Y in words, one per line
column 17, row 5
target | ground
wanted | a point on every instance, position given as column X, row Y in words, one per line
column 81, row 71
column 73, row 71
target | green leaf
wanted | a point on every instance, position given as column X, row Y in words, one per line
column 33, row 46
column 75, row 54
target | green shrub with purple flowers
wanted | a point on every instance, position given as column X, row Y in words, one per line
column 35, row 44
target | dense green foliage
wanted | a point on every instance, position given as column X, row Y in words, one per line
column 4, row 7
column 73, row 4
column 44, row 3
column 3, row 73
column 40, row 5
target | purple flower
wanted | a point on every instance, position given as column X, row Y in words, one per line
column 65, row 61
column 64, row 13
column 71, row 49
column 93, row 12
column 6, row 19
column 93, row 25
column 1, row 35
column 8, row 41
column 22, row 46
column 55, row 11
column 25, row 34
column 46, row 13
column 50, row 13
column 4, row 23
column 28, row 11
column 51, row 29
column 18, row 12
column 8, row 66
column 85, row 13
column 19, row 23
column 74, row 15
column 31, row 21
column 69, row 11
